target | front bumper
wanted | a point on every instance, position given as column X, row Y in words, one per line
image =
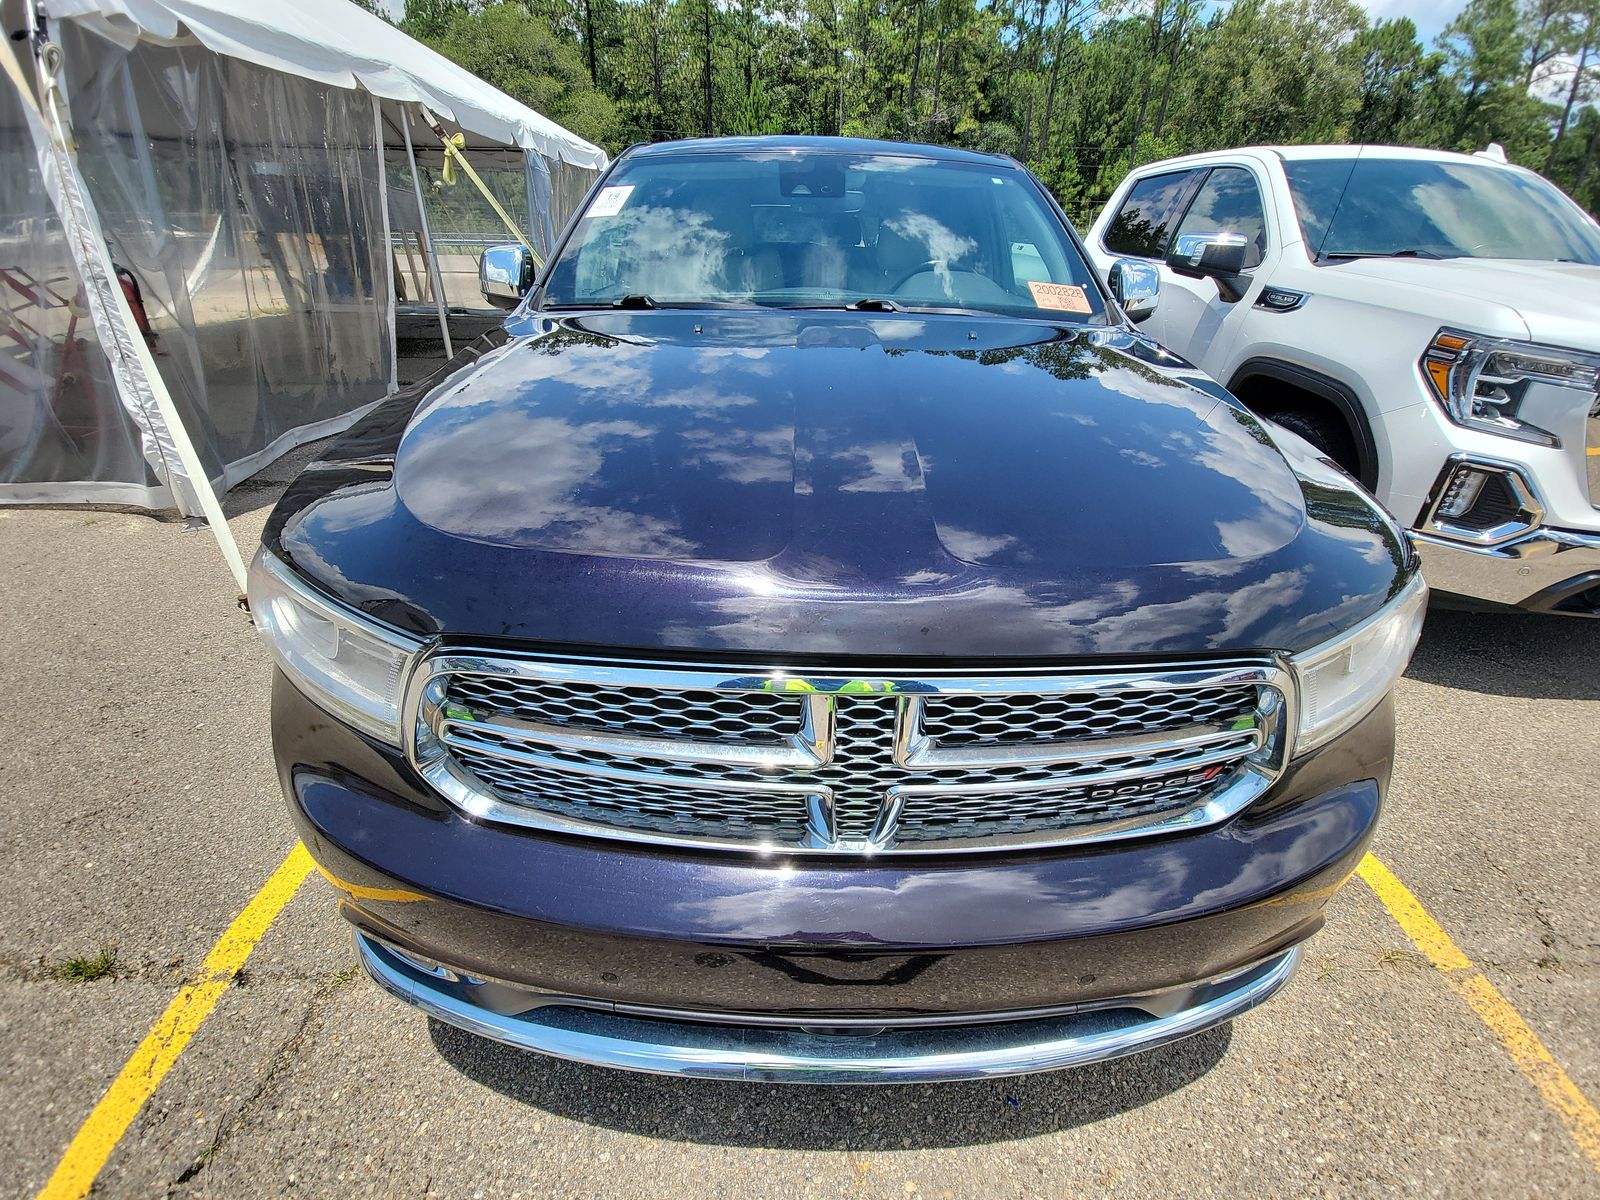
column 1501, row 551
column 920, row 1053
column 1544, row 570
column 968, row 942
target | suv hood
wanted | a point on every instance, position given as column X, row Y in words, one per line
column 824, row 483
column 1555, row 301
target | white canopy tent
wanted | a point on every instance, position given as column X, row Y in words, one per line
column 231, row 163
column 337, row 44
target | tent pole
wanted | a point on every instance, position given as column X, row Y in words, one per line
column 35, row 21
column 388, row 246
column 427, row 235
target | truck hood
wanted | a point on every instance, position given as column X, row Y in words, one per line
column 823, row 484
column 1555, row 301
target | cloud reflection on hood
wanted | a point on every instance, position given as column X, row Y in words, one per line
column 700, row 481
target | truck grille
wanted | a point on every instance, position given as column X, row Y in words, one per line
column 822, row 763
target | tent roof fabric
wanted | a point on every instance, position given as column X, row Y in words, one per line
column 337, row 44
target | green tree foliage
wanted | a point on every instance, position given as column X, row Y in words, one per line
column 1483, row 93
column 1078, row 89
column 1395, row 72
column 521, row 55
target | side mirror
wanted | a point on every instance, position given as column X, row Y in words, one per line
column 505, row 274
column 1136, row 286
column 1221, row 256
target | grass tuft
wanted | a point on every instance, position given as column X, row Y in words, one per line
column 86, row 970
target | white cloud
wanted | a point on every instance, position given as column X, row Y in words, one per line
column 1429, row 16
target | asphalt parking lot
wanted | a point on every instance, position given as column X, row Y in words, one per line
column 142, row 814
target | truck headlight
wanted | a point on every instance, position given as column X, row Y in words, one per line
column 1344, row 679
column 353, row 667
column 1483, row 383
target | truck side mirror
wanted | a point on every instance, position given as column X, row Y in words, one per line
column 1221, row 256
column 1136, row 286
column 505, row 274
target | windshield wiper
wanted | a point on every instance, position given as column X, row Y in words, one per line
column 632, row 300
column 865, row 304
column 880, row 304
column 1408, row 253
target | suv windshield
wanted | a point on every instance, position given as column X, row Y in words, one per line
column 812, row 229
column 1386, row 206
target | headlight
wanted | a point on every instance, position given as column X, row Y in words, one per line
column 1484, row 383
column 351, row 666
column 1342, row 680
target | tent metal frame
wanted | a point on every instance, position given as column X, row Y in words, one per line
column 435, row 278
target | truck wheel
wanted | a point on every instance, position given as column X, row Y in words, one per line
column 1326, row 433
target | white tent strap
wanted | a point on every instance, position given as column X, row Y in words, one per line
column 139, row 384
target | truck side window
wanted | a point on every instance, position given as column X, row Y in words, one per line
column 1230, row 202
column 1143, row 225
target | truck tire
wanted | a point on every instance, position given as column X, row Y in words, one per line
column 1324, row 431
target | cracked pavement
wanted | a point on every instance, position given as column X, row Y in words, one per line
column 142, row 813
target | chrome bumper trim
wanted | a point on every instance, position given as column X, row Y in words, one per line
column 1512, row 573
column 907, row 1054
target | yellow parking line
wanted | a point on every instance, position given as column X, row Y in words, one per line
column 140, row 1075
column 1575, row 1109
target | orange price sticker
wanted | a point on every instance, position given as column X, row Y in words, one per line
column 1063, row 297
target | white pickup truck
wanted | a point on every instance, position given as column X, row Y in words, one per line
column 1430, row 321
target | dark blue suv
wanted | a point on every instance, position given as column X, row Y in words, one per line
column 818, row 638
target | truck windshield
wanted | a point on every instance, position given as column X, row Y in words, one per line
column 1396, row 206
column 787, row 229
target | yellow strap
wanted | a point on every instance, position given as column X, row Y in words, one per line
column 452, row 152
column 454, row 142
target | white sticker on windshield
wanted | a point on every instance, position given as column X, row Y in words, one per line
column 610, row 201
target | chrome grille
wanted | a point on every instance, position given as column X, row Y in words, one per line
column 823, row 763
column 697, row 713
column 967, row 720
column 950, row 817
column 630, row 804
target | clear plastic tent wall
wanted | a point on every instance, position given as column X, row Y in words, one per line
column 460, row 221
column 60, row 418
column 537, row 191
column 246, row 205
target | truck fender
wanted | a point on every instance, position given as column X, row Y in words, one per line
column 1324, row 387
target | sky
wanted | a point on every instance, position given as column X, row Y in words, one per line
column 1429, row 16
